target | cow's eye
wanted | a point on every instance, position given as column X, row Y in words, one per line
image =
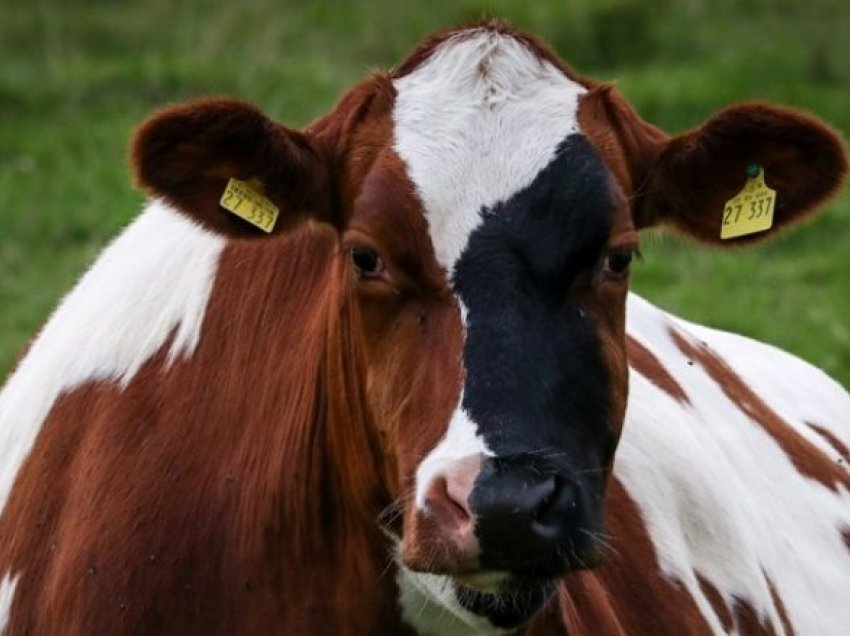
column 617, row 262
column 367, row 262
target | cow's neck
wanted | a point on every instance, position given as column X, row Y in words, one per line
column 315, row 467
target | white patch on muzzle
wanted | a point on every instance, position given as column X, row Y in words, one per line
column 460, row 442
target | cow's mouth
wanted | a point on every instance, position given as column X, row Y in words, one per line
column 513, row 604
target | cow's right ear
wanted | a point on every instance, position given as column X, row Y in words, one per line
column 186, row 154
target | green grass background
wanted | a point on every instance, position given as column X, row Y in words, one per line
column 77, row 76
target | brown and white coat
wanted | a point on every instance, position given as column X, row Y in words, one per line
column 399, row 411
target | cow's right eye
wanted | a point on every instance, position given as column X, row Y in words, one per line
column 617, row 262
column 367, row 262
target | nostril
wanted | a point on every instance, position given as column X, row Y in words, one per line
column 450, row 508
column 556, row 506
column 550, row 494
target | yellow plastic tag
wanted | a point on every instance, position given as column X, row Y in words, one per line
column 749, row 211
column 245, row 200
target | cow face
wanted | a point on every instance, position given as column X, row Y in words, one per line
column 487, row 202
column 533, row 237
column 535, row 299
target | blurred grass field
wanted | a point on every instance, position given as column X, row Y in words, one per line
column 77, row 76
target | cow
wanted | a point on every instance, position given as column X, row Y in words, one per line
column 420, row 397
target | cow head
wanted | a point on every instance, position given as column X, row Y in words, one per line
column 486, row 203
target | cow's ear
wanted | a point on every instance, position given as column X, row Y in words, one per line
column 692, row 176
column 187, row 154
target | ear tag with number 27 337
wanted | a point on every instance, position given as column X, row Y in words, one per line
column 751, row 210
column 245, row 200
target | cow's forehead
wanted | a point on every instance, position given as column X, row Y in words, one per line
column 475, row 123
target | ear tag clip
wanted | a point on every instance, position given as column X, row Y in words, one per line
column 751, row 210
column 245, row 199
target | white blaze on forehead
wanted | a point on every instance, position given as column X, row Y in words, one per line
column 475, row 124
column 152, row 282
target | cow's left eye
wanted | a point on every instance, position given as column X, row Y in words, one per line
column 618, row 261
column 367, row 262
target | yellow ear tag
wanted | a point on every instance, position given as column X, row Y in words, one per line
column 751, row 210
column 245, row 200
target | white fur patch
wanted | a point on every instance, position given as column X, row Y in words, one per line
column 153, row 281
column 460, row 441
column 429, row 605
column 476, row 123
column 7, row 595
column 719, row 496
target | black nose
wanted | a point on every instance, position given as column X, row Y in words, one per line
column 529, row 519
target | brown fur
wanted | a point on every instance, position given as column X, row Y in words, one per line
column 747, row 620
column 780, row 609
column 833, row 441
column 627, row 143
column 717, row 603
column 644, row 362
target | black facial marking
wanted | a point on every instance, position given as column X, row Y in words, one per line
column 536, row 384
column 510, row 607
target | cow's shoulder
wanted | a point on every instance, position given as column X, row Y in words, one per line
column 726, row 440
column 686, row 352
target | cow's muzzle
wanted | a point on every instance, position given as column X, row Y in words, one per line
column 531, row 518
column 515, row 515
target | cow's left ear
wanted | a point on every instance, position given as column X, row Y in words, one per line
column 187, row 154
column 691, row 177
